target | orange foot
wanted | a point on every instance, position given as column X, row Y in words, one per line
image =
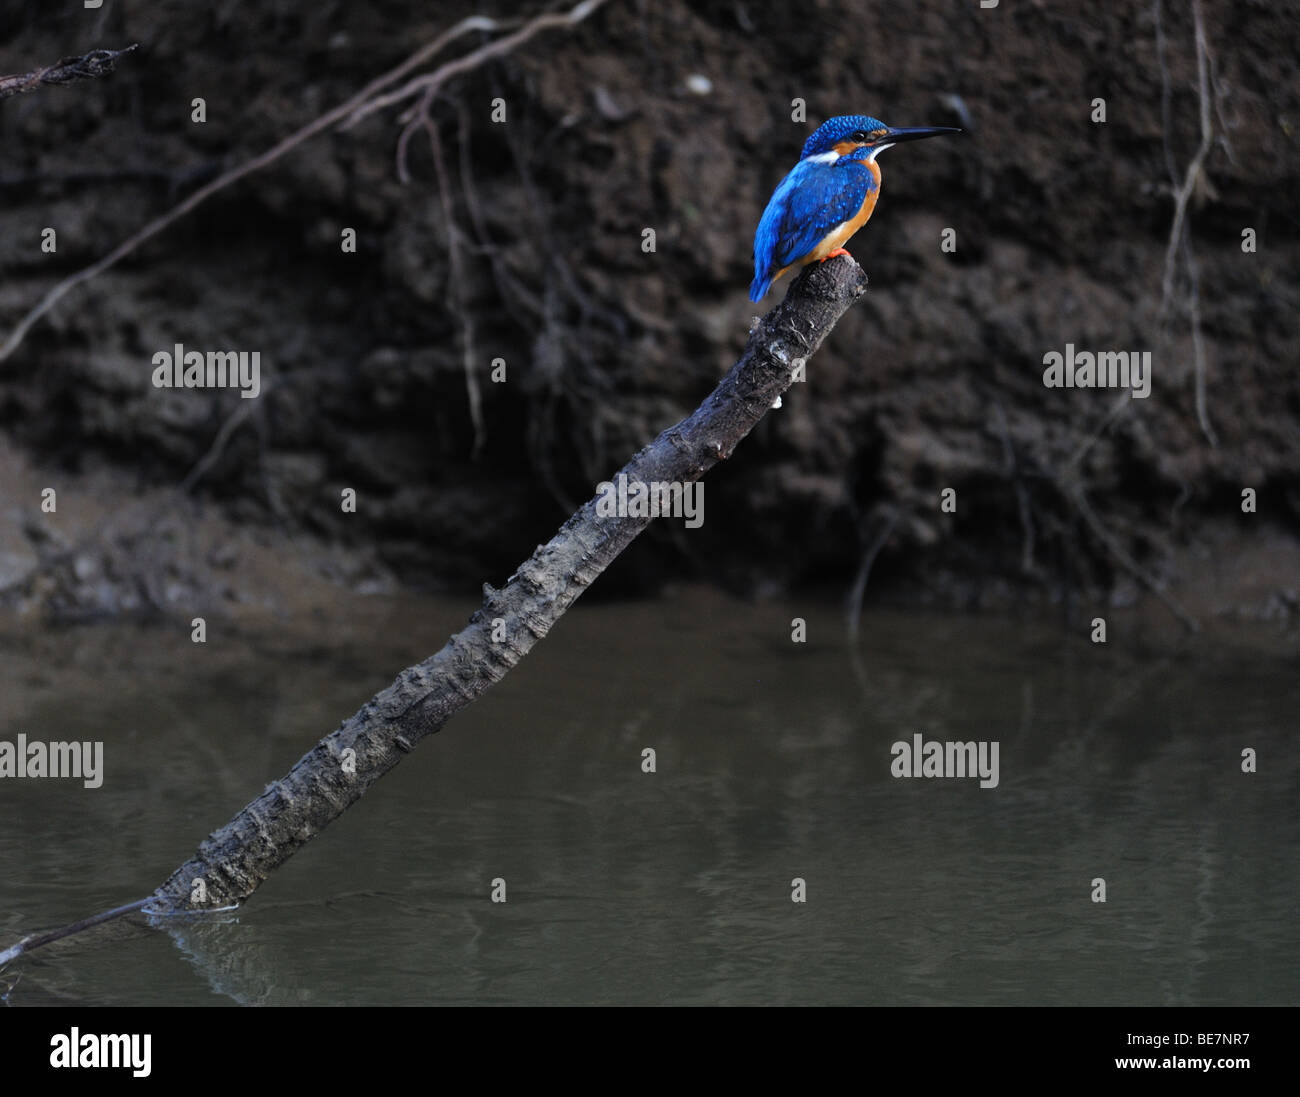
column 837, row 251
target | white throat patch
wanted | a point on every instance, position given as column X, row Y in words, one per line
column 832, row 156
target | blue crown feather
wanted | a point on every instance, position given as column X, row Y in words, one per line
column 834, row 130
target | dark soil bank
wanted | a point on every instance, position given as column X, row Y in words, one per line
column 521, row 239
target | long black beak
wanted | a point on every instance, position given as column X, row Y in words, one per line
column 915, row 133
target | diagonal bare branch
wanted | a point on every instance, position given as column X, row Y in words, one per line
column 233, row 861
column 432, row 81
column 344, row 111
column 87, row 66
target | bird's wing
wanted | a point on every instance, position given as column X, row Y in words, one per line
column 805, row 206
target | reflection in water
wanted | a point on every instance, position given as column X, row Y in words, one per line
column 773, row 762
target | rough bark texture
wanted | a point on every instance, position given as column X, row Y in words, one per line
column 234, row 861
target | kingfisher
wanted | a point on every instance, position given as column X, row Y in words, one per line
column 827, row 196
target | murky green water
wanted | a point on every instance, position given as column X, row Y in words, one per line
column 1120, row 762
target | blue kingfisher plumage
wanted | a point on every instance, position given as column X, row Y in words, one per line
column 827, row 196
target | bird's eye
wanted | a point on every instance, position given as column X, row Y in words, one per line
column 858, row 137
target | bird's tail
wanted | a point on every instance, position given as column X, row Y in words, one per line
column 759, row 286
